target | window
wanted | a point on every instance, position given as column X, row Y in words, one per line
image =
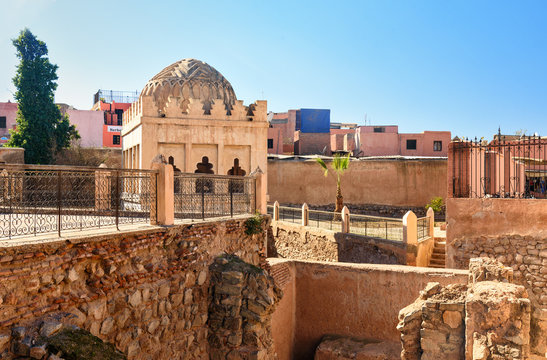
column 437, row 146
column 411, row 144
column 270, row 143
column 119, row 112
column 379, row 129
column 2, row 122
column 116, row 139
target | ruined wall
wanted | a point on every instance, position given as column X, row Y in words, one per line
column 513, row 231
column 293, row 241
column 360, row 300
column 144, row 291
column 387, row 182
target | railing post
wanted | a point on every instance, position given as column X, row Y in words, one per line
column 345, row 219
column 410, row 237
column 165, row 194
column 59, row 223
column 431, row 221
column 305, row 215
column 276, row 211
column 117, row 199
column 261, row 190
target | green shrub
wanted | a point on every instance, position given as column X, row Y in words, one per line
column 253, row 225
column 437, row 204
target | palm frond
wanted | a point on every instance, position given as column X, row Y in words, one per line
column 323, row 165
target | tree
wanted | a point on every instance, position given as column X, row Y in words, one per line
column 339, row 165
column 41, row 128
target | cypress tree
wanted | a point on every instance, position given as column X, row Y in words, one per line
column 41, row 128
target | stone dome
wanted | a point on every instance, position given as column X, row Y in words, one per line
column 190, row 79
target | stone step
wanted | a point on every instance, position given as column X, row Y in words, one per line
column 341, row 347
column 438, row 257
column 437, row 266
column 436, row 262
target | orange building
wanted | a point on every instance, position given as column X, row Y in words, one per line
column 113, row 104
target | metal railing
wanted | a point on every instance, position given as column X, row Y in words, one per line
column 378, row 227
column 423, row 228
column 200, row 196
column 507, row 167
column 117, row 96
column 325, row 220
column 289, row 214
column 42, row 199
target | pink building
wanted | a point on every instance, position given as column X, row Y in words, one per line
column 8, row 112
column 384, row 140
column 88, row 123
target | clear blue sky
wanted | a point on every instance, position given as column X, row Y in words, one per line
column 463, row 66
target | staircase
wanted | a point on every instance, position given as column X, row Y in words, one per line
column 438, row 258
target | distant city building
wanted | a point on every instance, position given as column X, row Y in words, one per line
column 310, row 132
column 8, row 113
column 113, row 104
column 384, row 140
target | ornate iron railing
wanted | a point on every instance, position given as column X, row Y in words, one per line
column 200, row 196
column 378, row 227
column 507, row 167
column 42, row 199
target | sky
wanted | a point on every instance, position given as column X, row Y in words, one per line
column 464, row 66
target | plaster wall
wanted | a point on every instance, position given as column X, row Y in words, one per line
column 359, row 300
column 387, row 182
column 89, row 125
column 275, row 134
column 312, row 143
column 12, row 155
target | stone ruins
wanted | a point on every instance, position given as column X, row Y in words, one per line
column 489, row 318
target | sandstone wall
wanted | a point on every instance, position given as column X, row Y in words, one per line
column 144, row 291
column 293, row 241
column 386, row 182
column 360, row 300
column 513, row 231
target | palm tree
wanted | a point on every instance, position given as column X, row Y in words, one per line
column 339, row 165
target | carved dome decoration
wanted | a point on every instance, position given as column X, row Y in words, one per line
column 190, row 79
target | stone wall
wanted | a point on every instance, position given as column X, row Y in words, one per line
column 288, row 240
column 393, row 182
column 360, row 300
column 243, row 298
column 513, row 231
column 144, row 291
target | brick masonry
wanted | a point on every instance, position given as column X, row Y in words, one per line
column 145, row 291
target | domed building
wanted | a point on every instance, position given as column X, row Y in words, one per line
column 189, row 112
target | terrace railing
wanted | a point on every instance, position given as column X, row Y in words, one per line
column 200, row 196
column 377, row 227
column 42, row 199
column 393, row 229
column 507, row 167
column 423, row 227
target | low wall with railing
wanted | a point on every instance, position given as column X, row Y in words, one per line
column 41, row 199
column 38, row 199
column 301, row 233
